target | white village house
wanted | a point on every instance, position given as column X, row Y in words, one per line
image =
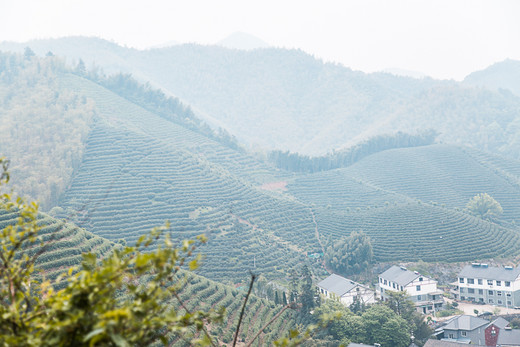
column 421, row 289
column 345, row 290
column 490, row 285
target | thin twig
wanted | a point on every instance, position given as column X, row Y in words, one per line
column 203, row 327
column 268, row 323
column 253, row 277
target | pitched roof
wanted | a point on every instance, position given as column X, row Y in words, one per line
column 509, row 337
column 338, row 285
column 352, row 344
column 440, row 343
column 400, row 275
column 465, row 322
column 500, row 322
column 491, row 272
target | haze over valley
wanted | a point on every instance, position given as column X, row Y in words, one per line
column 297, row 169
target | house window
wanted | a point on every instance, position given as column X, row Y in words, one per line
column 508, row 284
column 420, row 279
column 451, row 336
column 479, row 281
column 499, row 302
column 481, row 291
column 393, row 285
column 481, row 299
column 461, row 280
column 490, row 292
column 380, row 280
column 418, row 288
column 385, row 282
column 499, row 283
column 508, row 293
column 490, row 282
column 461, row 290
column 463, row 333
column 401, row 288
column 471, row 291
column 491, row 301
column 419, row 298
column 499, row 293
column 471, row 281
column 509, row 303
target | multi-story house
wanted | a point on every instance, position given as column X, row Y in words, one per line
column 346, row 291
column 421, row 289
column 490, row 285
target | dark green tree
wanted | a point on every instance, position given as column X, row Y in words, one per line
column 484, row 206
column 307, row 291
column 350, row 255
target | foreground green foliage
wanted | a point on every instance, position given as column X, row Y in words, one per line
column 378, row 323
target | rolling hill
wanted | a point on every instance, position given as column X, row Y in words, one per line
column 411, row 200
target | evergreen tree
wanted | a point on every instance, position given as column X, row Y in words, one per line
column 276, row 298
column 307, row 291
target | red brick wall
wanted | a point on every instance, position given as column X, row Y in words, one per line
column 491, row 333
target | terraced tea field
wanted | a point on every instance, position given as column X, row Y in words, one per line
column 442, row 174
column 64, row 243
column 139, row 170
column 416, row 231
column 410, row 201
column 200, row 293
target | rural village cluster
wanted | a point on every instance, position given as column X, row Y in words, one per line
column 477, row 283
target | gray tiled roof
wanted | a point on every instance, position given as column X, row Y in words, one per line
column 337, row 284
column 465, row 322
column 500, row 322
column 490, row 273
column 400, row 275
column 509, row 337
column 440, row 343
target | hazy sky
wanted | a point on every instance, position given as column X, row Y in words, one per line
column 442, row 38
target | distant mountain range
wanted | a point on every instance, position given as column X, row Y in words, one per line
column 303, row 104
column 503, row 75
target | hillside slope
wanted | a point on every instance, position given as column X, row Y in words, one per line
column 139, row 170
column 411, row 200
column 502, row 75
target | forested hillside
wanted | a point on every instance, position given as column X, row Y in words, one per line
column 305, row 105
column 43, row 129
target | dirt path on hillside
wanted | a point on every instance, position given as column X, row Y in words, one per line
column 317, row 233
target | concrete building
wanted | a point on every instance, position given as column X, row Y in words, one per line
column 346, row 291
column 421, row 289
column 499, row 286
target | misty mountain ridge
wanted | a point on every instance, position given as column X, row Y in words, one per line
column 303, row 104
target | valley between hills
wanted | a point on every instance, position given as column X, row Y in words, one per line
column 110, row 157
